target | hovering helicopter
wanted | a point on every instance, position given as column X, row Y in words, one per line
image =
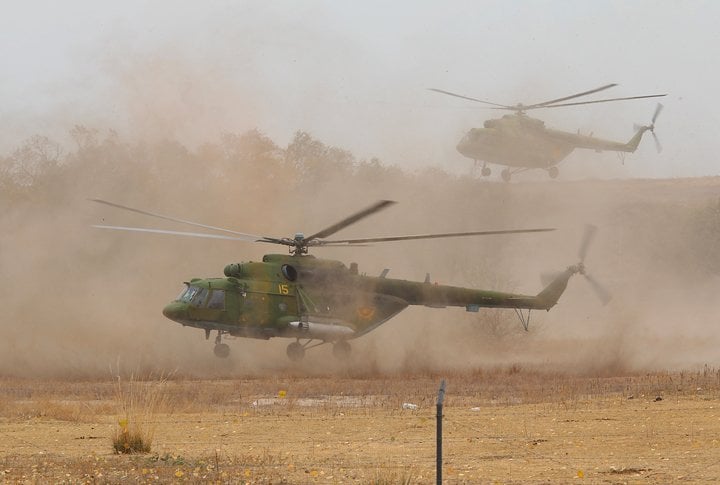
column 521, row 143
column 321, row 301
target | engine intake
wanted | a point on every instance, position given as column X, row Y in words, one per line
column 233, row 270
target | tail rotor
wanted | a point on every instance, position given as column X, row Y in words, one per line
column 651, row 127
column 590, row 231
column 600, row 291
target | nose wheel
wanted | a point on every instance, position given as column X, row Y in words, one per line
column 221, row 350
column 485, row 172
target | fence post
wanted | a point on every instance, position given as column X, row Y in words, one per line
column 440, row 399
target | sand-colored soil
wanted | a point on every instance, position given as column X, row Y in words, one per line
column 508, row 427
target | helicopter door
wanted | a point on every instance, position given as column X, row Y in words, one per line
column 216, row 300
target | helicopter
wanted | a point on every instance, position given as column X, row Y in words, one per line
column 521, row 143
column 320, row 301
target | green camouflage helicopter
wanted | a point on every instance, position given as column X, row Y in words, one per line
column 521, row 143
column 323, row 301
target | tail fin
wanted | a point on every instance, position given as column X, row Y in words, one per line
column 550, row 295
column 634, row 142
column 632, row 145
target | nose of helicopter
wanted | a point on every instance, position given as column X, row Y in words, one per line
column 466, row 144
column 175, row 311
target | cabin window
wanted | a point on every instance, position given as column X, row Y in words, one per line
column 199, row 297
column 217, row 300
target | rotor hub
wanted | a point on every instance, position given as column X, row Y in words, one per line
column 578, row 268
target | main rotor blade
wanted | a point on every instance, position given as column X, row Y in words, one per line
column 188, row 234
column 572, row 96
column 173, row 219
column 588, row 237
column 596, row 101
column 378, row 206
column 469, row 98
column 429, row 236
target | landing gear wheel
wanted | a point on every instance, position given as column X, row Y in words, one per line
column 295, row 352
column 553, row 172
column 485, row 172
column 341, row 350
column 505, row 174
column 222, row 350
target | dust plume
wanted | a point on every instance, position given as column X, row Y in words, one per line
column 79, row 301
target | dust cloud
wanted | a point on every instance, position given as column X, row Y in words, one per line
column 81, row 302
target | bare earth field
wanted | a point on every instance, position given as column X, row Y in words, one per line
column 502, row 426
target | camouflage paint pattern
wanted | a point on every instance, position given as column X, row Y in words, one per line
column 306, row 297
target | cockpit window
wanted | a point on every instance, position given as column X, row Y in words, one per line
column 217, row 300
column 193, row 295
column 199, row 297
column 187, row 294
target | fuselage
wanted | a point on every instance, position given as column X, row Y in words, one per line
column 521, row 141
column 305, row 297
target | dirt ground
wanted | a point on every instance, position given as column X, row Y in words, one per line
column 506, row 426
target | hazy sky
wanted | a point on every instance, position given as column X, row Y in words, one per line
column 354, row 74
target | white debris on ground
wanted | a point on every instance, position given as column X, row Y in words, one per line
column 339, row 401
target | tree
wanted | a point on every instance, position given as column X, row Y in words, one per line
column 36, row 161
column 317, row 163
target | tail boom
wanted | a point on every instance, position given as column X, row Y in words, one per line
column 439, row 296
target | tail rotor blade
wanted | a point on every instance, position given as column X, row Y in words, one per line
column 588, row 237
column 658, row 146
column 602, row 293
column 657, row 112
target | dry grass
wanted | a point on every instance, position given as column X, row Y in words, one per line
column 84, row 401
column 139, row 402
column 384, row 477
column 331, row 429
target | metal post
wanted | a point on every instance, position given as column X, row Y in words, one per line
column 440, row 399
